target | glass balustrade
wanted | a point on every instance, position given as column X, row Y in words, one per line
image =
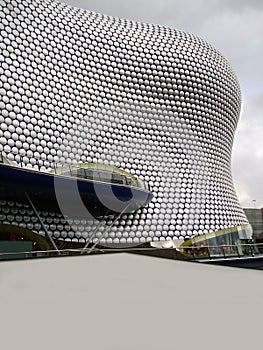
column 89, row 171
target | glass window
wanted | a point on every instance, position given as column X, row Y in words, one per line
column 81, row 173
column 89, row 174
column 214, row 249
column 117, row 178
column 73, row 171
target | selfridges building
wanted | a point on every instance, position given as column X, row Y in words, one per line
column 159, row 103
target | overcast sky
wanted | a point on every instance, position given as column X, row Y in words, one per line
column 235, row 28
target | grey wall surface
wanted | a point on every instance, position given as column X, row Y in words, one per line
column 162, row 104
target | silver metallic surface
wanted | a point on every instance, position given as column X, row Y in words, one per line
column 162, row 104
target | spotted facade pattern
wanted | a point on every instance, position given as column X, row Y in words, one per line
column 162, row 104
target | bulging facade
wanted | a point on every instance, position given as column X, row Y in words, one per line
column 162, row 104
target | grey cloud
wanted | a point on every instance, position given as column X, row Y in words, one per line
column 162, row 12
column 248, row 152
column 237, row 5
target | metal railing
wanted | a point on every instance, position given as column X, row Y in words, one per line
column 192, row 253
column 225, row 251
column 95, row 173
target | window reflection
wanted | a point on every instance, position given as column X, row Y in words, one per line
column 222, row 244
column 102, row 175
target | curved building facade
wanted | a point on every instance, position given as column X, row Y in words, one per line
column 162, row 104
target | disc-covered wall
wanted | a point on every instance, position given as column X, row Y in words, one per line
column 78, row 86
